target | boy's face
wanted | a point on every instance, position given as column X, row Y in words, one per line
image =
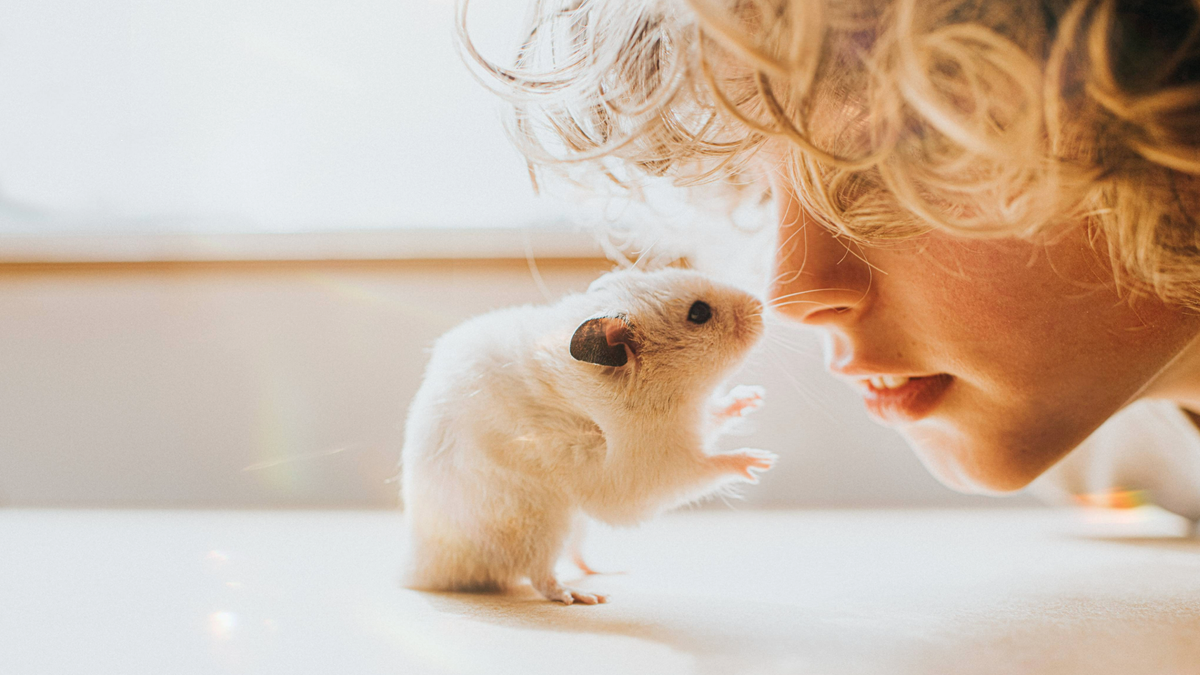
column 1018, row 351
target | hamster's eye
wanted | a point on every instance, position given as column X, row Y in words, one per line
column 700, row 312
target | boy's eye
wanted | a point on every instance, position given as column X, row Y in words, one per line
column 700, row 312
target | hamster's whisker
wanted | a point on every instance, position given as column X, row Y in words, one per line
column 778, row 322
column 783, row 280
column 785, row 303
column 776, row 303
column 800, row 302
column 803, row 348
column 809, row 393
column 783, row 333
column 791, row 275
column 776, row 299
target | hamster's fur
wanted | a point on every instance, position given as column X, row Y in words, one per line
column 510, row 437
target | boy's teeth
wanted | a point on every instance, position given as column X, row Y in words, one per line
column 887, row 381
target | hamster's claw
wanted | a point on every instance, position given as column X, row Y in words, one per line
column 746, row 462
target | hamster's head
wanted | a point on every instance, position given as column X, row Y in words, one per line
column 673, row 329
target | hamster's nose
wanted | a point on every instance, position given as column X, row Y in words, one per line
column 818, row 278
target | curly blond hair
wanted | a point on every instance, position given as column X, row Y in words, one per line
column 895, row 117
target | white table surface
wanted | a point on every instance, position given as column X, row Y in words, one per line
column 962, row 592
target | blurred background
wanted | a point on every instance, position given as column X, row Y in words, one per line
column 231, row 229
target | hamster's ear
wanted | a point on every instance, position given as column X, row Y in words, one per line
column 602, row 341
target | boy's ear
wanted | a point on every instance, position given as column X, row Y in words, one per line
column 603, row 341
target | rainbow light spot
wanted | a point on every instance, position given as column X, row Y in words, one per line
column 1115, row 498
column 222, row 624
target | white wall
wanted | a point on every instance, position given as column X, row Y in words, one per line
column 284, row 384
column 253, row 116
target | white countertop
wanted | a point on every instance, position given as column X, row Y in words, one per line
column 772, row 592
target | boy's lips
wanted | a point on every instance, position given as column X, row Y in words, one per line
column 902, row 399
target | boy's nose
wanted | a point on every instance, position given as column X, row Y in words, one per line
column 819, row 278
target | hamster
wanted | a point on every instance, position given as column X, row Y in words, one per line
column 599, row 405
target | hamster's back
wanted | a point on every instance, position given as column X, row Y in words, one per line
column 468, row 361
column 481, row 379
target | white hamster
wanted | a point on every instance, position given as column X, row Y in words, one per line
column 599, row 404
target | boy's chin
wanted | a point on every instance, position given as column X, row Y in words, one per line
column 974, row 466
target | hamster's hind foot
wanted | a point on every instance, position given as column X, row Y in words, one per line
column 552, row 590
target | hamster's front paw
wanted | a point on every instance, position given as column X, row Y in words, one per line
column 740, row 401
column 746, row 462
column 552, row 590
